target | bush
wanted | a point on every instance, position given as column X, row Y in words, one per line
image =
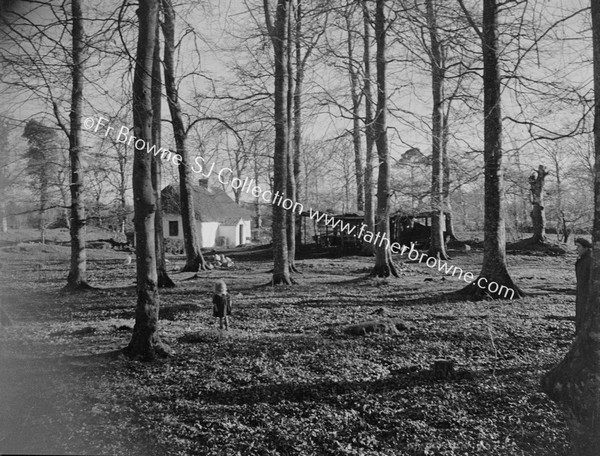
column 174, row 246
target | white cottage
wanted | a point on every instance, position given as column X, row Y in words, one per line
column 220, row 222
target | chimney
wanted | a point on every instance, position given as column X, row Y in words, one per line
column 203, row 183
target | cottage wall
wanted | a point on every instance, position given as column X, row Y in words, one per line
column 231, row 233
column 208, row 232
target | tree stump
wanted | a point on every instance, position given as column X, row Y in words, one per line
column 443, row 369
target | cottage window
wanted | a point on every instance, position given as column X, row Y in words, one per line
column 173, row 228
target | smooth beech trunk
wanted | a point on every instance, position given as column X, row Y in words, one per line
column 355, row 96
column 369, row 220
column 297, row 132
column 384, row 266
column 194, row 259
column 145, row 342
column 494, row 268
column 450, row 232
column 575, row 383
column 291, row 177
column 279, row 38
column 76, row 279
column 437, row 246
column 164, row 281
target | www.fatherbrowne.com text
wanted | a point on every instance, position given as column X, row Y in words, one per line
column 250, row 187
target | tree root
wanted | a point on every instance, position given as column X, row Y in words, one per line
column 164, row 281
column 139, row 350
column 197, row 264
column 294, row 269
column 77, row 287
column 386, row 270
column 476, row 293
column 438, row 253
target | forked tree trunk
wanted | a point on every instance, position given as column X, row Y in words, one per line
column 279, row 37
column 575, row 383
column 369, row 220
column 194, row 259
column 538, row 213
column 163, row 279
column 145, row 342
column 77, row 279
column 384, row 266
column 437, row 246
column 494, row 281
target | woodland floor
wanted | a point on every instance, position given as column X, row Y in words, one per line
column 285, row 379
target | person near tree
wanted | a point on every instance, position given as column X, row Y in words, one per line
column 221, row 304
column 583, row 273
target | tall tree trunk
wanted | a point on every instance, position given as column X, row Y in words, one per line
column 384, row 265
column 145, row 342
column 575, row 383
column 279, row 37
column 300, row 63
column 447, row 205
column 494, row 270
column 450, row 232
column 122, row 192
column 538, row 213
column 437, row 246
column 369, row 220
column 291, row 178
column 163, row 279
column 194, row 259
column 77, row 272
column 356, row 137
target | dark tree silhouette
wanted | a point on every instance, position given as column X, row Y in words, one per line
column 575, row 383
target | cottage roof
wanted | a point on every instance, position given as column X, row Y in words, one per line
column 211, row 205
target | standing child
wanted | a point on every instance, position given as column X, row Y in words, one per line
column 221, row 304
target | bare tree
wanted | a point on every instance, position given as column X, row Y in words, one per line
column 194, row 259
column 437, row 245
column 384, row 265
column 279, row 38
column 355, row 96
column 164, row 281
column 145, row 341
column 494, row 268
column 538, row 213
column 76, row 279
column 291, row 193
column 369, row 220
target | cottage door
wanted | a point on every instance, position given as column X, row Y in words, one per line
column 241, row 226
